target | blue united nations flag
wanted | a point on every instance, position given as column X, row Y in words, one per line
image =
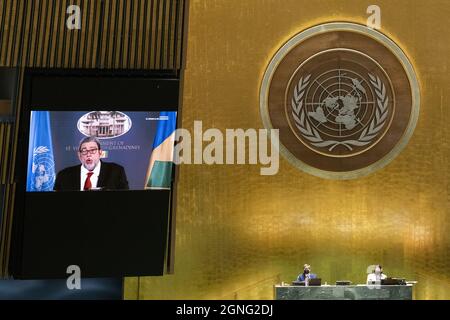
column 41, row 166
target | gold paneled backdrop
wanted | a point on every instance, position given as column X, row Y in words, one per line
column 239, row 233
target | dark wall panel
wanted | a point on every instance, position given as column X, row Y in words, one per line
column 138, row 34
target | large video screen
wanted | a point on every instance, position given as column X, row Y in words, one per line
column 100, row 150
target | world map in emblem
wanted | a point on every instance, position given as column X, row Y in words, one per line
column 43, row 170
column 344, row 98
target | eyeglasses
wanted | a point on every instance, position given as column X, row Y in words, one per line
column 84, row 152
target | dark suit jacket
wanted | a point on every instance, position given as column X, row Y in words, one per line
column 112, row 177
column 301, row 276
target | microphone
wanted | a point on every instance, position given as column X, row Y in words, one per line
column 307, row 280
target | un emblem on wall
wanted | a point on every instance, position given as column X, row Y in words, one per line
column 344, row 97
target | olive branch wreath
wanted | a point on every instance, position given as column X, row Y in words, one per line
column 311, row 134
column 39, row 150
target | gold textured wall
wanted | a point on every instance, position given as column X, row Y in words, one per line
column 238, row 233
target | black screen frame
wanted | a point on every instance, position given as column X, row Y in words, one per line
column 86, row 89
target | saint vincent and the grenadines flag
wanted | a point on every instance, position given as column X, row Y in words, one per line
column 159, row 171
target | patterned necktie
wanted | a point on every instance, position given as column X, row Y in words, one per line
column 87, row 183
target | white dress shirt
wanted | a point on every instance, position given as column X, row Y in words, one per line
column 94, row 177
column 375, row 277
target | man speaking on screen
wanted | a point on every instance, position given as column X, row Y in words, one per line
column 92, row 173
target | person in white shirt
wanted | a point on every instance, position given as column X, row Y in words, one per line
column 376, row 275
column 92, row 173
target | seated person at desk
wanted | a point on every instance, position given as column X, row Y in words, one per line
column 306, row 273
column 376, row 275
